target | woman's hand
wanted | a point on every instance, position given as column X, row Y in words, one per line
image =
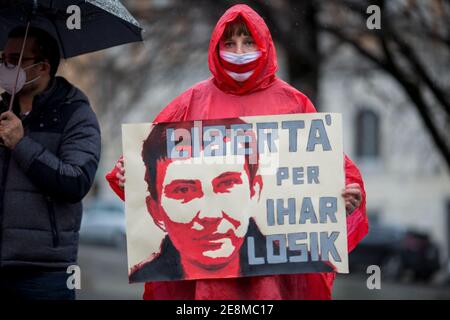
column 352, row 196
column 120, row 175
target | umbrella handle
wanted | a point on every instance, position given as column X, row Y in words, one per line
column 11, row 102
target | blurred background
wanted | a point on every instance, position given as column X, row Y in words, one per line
column 391, row 84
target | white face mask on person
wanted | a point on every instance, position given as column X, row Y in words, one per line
column 239, row 58
column 8, row 77
column 240, row 77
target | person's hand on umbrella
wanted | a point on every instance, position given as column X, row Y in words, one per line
column 352, row 196
column 11, row 129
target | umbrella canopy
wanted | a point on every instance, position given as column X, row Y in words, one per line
column 104, row 23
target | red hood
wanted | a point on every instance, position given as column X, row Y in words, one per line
column 264, row 73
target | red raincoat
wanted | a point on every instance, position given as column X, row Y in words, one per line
column 262, row 94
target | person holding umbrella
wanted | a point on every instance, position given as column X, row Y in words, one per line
column 50, row 147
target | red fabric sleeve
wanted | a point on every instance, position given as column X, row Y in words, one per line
column 114, row 182
column 357, row 222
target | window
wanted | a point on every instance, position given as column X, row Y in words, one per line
column 367, row 134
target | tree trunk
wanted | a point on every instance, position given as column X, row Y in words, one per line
column 302, row 49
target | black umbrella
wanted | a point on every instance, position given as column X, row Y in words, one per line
column 103, row 24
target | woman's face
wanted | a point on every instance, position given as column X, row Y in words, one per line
column 238, row 44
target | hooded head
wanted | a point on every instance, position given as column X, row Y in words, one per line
column 266, row 67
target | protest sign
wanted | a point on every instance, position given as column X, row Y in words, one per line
column 235, row 197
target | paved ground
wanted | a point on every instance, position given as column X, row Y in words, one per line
column 354, row 287
column 104, row 276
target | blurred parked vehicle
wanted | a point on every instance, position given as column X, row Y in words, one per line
column 104, row 223
column 398, row 252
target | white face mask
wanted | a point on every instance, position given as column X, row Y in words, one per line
column 8, row 78
column 239, row 58
column 240, row 77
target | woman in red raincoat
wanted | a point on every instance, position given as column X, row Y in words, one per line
column 242, row 60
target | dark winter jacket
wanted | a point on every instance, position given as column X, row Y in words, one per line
column 43, row 180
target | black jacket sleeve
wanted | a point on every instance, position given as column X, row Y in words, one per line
column 69, row 175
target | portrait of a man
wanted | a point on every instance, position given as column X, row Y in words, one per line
column 205, row 211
